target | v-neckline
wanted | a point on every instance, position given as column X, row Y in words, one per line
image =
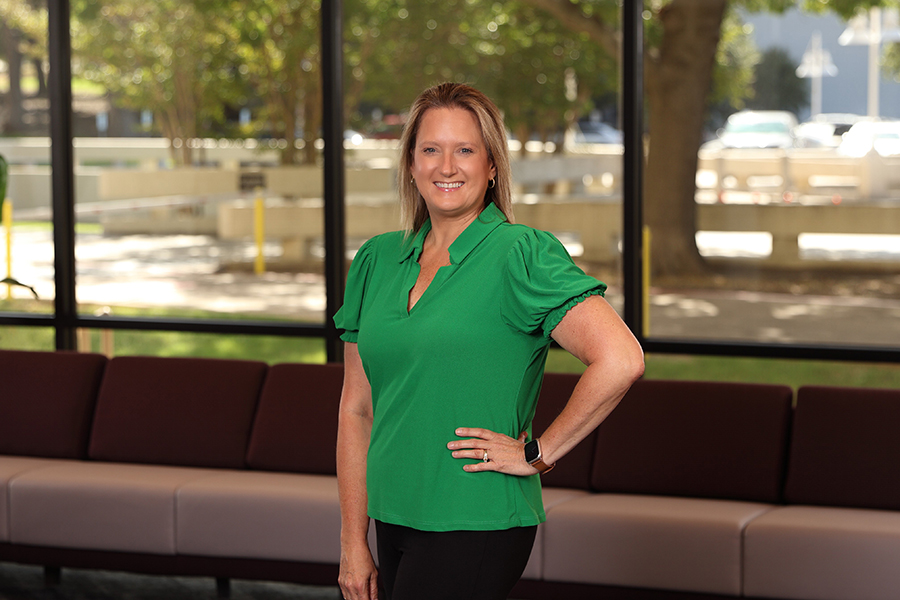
column 436, row 281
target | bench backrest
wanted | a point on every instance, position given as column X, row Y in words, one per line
column 47, row 401
column 697, row 439
column 845, row 448
column 296, row 422
column 574, row 470
column 176, row 411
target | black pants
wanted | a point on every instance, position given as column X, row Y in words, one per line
column 451, row 565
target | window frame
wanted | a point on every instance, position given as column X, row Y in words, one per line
column 66, row 319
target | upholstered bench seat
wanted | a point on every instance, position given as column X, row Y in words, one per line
column 98, row 506
column 649, row 542
column 552, row 497
column 823, row 553
column 10, row 468
column 282, row 516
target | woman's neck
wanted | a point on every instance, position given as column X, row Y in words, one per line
column 445, row 230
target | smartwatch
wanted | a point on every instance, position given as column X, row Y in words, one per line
column 534, row 457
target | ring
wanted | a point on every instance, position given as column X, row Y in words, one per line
column 485, row 458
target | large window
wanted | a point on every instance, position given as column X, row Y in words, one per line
column 733, row 206
column 557, row 87
column 197, row 148
column 772, row 205
column 26, row 234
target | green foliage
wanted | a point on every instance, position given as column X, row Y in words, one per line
column 541, row 74
column 736, row 57
column 890, row 65
column 158, row 55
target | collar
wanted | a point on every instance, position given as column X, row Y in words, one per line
column 474, row 234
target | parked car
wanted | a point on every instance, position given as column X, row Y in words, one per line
column 756, row 129
column 826, row 129
column 881, row 136
column 596, row 132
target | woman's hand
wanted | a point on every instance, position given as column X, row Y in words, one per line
column 504, row 454
column 358, row 576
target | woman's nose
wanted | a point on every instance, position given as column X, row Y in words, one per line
column 448, row 165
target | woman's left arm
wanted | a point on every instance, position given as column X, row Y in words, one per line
column 594, row 333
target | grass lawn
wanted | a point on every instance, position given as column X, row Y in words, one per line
column 792, row 372
column 275, row 349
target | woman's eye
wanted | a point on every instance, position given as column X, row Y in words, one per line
column 428, row 150
column 466, row 150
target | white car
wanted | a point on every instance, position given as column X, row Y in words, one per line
column 881, row 136
column 757, row 129
column 596, row 132
column 826, row 129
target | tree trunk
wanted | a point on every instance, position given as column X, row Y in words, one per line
column 14, row 60
column 678, row 82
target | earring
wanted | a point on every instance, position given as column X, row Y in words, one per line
column 412, row 179
column 491, row 183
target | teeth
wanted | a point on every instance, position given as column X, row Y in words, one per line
column 449, row 186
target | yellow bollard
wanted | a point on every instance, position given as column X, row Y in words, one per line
column 259, row 232
column 646, row 278
column 7, row 226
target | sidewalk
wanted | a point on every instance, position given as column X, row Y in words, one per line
column 185, row 271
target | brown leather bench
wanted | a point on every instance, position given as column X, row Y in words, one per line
column 226, row 469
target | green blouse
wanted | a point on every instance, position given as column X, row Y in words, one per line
column 470, row 353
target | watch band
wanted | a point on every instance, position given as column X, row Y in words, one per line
column 542, row 467
column 537, row 461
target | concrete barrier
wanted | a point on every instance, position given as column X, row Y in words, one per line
column 813, row 171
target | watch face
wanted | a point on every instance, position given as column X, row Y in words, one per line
column 532, row 451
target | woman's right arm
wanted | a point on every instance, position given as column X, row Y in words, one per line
column 358, row 576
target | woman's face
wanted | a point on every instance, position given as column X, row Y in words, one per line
column 450, row 163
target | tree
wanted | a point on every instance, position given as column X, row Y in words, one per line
column 23, row 37
column 539, row 73
column 156, row 55
column 777, row 86
column 682, row 51
column 277, row 54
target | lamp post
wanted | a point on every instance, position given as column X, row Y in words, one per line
column 816, row 64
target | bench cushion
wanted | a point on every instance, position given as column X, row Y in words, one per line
column 176, row 411
column 821, row 553
column 10, row 468
column 47, row 401
column 296, row 422
column 552, row 497
column 696, row 439
column 98, row 506
column 261, row 515
column 681, row 544
column 845, row 448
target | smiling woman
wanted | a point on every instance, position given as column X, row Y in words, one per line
column 451, row 166
column 447, row 327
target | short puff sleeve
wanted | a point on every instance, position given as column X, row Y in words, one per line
column 542, row 283
column 348, row 316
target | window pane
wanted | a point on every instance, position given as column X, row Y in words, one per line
column 197, row 150
column 786, row 228
column 557, row 88
column 27, row 338
column 270, row 349
column 26, row 235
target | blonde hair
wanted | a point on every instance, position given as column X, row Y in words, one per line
column 413, row 212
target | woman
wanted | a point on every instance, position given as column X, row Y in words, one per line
column 447, row 326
